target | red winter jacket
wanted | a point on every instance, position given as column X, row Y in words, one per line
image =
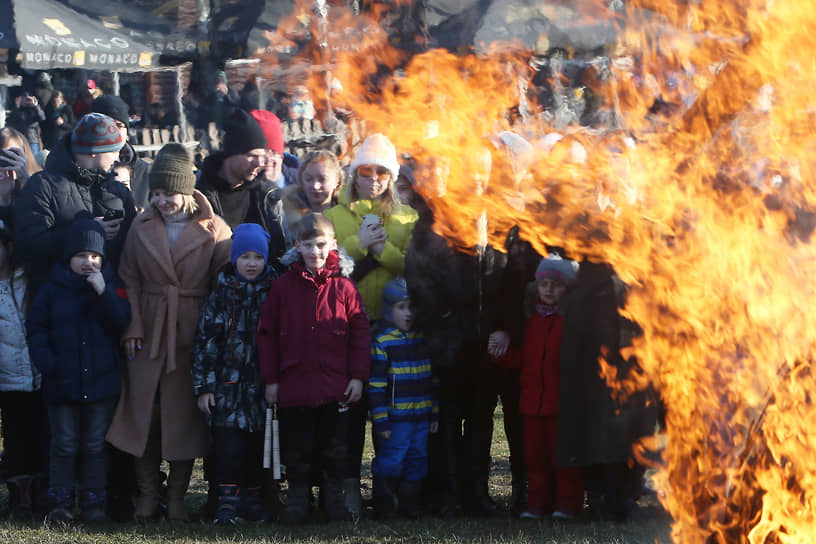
column 313, row 336
column 539, row 360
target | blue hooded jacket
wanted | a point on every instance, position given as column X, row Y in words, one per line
column 73, row 336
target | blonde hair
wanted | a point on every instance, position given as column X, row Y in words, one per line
column 389, row 201
column 321, row 155
column 188, row 205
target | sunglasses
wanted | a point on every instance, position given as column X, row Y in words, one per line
column 381, row 172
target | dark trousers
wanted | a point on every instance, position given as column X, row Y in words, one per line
column 322, row 430
column 550, row 487
column 25, row 432
column 238, row 457
column 358, row 415
column 459, row 455
column 496, row 383
column 78, row 442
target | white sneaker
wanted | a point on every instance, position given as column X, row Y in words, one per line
column 530, row 515
column 563, row 516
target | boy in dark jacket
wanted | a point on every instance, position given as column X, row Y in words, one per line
column 313, row 347
column 226, row 377
column 403, row 394
column 73, row 332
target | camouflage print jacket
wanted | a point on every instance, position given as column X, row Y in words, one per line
column 225, row 359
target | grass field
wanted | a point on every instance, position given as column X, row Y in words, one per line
column 649, row 525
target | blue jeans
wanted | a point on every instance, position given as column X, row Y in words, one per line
column 405, row 454
column 78, row 444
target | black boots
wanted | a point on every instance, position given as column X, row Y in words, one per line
column 386, row 503
column 296, row 509
column 409, row 499
column 20, row 492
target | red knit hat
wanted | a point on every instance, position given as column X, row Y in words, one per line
column 271, row 126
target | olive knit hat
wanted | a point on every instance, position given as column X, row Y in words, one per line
column 173, row 170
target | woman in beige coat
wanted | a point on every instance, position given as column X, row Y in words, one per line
column 169, row 265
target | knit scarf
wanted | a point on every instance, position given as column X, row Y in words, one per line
column 546, row 309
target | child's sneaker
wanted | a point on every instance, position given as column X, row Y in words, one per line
column 92, row 506
column 228, row 501
column 529, row 514
column 564, row 516
column 61, row 502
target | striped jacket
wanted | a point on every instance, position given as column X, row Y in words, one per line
column 402, row 386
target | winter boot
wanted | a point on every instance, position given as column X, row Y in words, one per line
column 296, row 509
column 177, row 482
column 20, row 497
column 482, row 504
column 61, row 501
column 253, row 508
column 39, row 496
column 92, row 506
column 229, row 499
column 409, row 499
column 335, row 501
column 352, row 498
column 385, row 499
column 519, row 496
column 148, row 482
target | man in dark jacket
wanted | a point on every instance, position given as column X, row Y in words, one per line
column 77, row 177
column 117, row 109
column 231, row 181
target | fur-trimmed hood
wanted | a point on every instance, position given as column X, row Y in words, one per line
column 346, row 263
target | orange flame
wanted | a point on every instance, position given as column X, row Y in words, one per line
column 705, row 208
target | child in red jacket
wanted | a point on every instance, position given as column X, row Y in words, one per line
column 551, row 489
column 313, row 348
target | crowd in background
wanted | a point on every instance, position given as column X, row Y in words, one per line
column 153, row 311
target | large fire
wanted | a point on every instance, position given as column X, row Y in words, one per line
column 705, row 208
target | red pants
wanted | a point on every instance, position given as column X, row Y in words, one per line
column 549, row 487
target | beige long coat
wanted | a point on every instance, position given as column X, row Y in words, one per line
column 166, row 288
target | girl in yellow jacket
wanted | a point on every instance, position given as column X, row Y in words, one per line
column 370, row 222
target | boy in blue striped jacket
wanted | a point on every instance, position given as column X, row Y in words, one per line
column 403, row 395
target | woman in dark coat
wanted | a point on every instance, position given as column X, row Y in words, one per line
column 59, row 120
column 599, row 432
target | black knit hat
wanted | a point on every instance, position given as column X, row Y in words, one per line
column 172, row 170
column 242, row 134
column 84, row 234
column 112, row 106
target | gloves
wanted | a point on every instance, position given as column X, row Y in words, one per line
column 15, row 158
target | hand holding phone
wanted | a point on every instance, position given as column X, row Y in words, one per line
column 111, row 215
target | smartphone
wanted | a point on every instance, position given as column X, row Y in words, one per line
column 110, row 215
column 370, row 220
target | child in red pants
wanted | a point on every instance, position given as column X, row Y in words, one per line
column 552, row 490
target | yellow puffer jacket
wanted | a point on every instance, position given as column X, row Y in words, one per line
column 347, row 218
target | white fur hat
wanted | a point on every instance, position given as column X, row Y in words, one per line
column 378, row 150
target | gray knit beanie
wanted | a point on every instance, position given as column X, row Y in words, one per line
column 173, row 170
